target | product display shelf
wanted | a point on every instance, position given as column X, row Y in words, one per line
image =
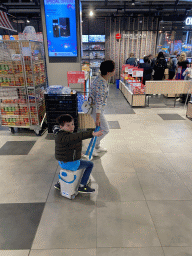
column 135, row 100
column 93, row 54
column 22, row 84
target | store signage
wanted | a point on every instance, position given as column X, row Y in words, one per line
column 188, row 21
column 134, row 36
column 76, row 77
column 118, row 36
column 60, row 16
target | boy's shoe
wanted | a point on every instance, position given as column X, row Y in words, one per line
column 86, row 189
column 100, row 149
column 95, row 152
column 57, row 186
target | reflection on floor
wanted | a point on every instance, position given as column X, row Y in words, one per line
column 142, row 204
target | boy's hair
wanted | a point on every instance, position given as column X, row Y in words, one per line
column 146, row 59
column 107, row 66
column 62, row 119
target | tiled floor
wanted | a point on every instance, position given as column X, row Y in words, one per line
column 142, row 205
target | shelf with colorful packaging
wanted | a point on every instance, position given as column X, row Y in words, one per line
column 131, row 86
column 93, row 52
column 22, row 84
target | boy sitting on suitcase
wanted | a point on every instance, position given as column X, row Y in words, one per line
column 68, row 146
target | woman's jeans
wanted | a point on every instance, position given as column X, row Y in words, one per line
column 103, row 126
column 88, row 166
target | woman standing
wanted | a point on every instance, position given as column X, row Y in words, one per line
column 184, row 63
column 160, row 66
column 99, row 91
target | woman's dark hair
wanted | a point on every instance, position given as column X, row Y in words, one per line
column 61, row 120
column 160, row 55
column 146, row 59
column 107, row 66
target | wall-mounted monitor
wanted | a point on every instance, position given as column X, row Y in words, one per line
column 61, row 25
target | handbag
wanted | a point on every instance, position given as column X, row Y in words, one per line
column 87, row 106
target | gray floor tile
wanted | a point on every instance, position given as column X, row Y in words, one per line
column 64, row 252
column 25, row 188
column 115, row 187
column 67, row 225
column 154, row 162
column 150, row 251
column 171, row 219
column 19, row 223
column 50, row 136
column 177, row 251
column 125, row 224
column 171, row 117
column 114, row 125
column 17, row 147
column 163, row 186
column 14, row 252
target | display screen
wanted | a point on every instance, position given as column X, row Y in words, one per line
column 141, row 61
column 96, row 38
column 60, row 16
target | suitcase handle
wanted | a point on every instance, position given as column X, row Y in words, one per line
column 92, row 143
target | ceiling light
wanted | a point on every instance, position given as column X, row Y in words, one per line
column 28, row 21
column 133, row 2
column 91, row 13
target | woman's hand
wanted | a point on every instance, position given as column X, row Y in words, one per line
column 98, row 134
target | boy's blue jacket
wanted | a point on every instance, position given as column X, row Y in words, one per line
column 68, row 145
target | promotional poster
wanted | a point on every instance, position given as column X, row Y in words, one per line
column 60, row 18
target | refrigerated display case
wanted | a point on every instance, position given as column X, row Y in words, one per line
column 22, row 84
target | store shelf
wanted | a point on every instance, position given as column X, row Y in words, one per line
column 135, row 100
column 94, row 50
column 22, row 105
column 96, row 54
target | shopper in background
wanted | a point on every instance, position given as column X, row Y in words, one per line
column 147, row 69
column 99, row 91
column 183, row 63
column 131, row 60
column 172, row 64
column 160, row 66
column 68, row 146
column 151, row 60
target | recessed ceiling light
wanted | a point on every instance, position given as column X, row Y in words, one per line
column 91, row 13
column 133, row 2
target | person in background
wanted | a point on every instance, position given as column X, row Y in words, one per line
column 99, row 91
column 172, row 64
column 184, row 63
column 131, row 60
column 147, row 69
column 160, row 66
column 151, row 60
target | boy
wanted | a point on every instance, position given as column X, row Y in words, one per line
column 68, row 146
column 99, row 91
